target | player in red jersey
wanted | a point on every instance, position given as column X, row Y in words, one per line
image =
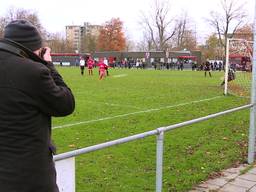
column 102, row 69
column 90, row 63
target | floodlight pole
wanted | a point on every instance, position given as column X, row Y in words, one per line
column 226, row 67
column 251, row 144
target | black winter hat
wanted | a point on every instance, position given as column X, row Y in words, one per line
column 23, row 32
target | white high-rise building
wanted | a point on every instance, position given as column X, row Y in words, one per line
column 76, row 34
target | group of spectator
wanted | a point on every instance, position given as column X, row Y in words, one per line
column 177, row 65
column 214, row 66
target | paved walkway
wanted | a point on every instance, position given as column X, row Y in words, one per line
column 232, row 180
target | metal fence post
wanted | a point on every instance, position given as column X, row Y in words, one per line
column 159, row 161
column 226, row 67
column 251, row 145
column 66, row 174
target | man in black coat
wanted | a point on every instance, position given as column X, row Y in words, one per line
column 31, row 92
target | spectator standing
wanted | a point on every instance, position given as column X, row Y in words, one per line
column 32, row 91
column 137, row 64
column 220, row 65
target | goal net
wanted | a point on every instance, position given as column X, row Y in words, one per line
column 238, row 72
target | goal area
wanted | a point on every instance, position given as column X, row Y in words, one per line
column 238, row 71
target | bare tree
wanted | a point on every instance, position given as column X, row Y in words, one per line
column 130, row 45
column 180, row 30
column 59, row 44
column 212, row 49
column 3, row 23
column 89, row 43
column 146, row 44
column 184, row 36
column 227, row 21
column 159, row 25
column 55, row 41
column 13, row 14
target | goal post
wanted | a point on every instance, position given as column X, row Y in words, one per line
column 238, row 67
column 244, row 81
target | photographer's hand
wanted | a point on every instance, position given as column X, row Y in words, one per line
column 47, row 55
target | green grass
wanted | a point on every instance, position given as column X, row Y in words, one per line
column 191, row 154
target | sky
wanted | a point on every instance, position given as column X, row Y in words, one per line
column 55, row 15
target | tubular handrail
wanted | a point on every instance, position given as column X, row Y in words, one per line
column 143, row 135
column 102, row 145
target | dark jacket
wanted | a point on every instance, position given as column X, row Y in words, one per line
column 30, row 93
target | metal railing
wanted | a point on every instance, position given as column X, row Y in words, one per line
column 160, row 140
column 160, row 131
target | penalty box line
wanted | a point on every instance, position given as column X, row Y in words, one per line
column 134, row 113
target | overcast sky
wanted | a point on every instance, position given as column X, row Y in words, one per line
column 55, row 15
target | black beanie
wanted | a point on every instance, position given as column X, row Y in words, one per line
column 23, row 32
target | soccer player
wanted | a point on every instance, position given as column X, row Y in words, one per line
column 207, row 67
column 231, row 76
column 102, row 69
column 90, row 63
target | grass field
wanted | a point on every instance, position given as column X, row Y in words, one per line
column 134, row 101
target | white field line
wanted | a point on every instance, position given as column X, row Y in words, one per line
column 134, row 113
column 121, row 75
column 113, row 104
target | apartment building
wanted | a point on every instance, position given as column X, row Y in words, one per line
column 77, row 34
column 92, row 29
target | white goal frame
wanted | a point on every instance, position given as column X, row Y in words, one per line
column 227, row 64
